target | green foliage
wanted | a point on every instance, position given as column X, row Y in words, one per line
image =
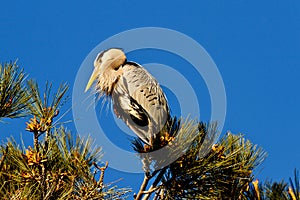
column 64, row 171
column 43, row 110
column 61, row 165
column 294, row 189
column 274, row 190
column 14, row 98
column 42, row 107
column 224, row 172
column 205, row 170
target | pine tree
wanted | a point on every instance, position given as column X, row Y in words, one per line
column 62, row 165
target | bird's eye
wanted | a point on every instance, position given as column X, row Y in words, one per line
column 116, row 68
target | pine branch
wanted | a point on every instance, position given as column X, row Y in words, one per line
column 59, row 167
column 153, row 187
column 14, row 98
column 143, row 187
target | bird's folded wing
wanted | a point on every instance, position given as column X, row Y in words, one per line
column 133, row 115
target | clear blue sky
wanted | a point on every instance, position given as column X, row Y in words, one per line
column 255, row 44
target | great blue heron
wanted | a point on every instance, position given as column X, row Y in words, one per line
column 137, row 97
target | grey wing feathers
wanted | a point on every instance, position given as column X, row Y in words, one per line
column 144, row 88
column 140, row 97
column 146, row 91
column 133, row 114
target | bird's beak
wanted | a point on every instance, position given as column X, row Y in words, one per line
column 92, row 79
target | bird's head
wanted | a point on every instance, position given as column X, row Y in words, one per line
column 107, row 70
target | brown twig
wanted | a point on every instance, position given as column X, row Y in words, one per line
column 102, row 173
column 102, row 169
column 151, row 190
column 153, row 186
column 143, row 187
